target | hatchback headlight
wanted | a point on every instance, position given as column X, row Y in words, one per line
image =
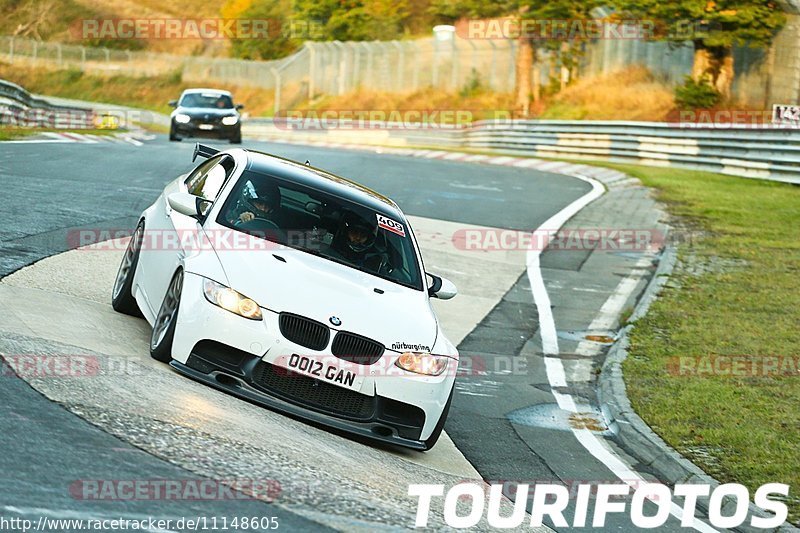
column 182, row 118
column 422, row 363
column 230, row 300
column 230, row 121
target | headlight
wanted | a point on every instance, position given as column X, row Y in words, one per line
column 230, row 121
column 182, row 119
column 231, row 300
column 422, row 363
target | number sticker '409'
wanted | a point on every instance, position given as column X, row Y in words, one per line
column 391, row 225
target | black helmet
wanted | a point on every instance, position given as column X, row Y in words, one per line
column 358, row 233
column 266, row 192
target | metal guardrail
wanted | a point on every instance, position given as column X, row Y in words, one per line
column 13, row 91
column 343, row 131
column 27, row 110
column 764, row 153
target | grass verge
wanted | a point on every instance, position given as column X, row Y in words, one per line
column 9, row 134
column 734, row 293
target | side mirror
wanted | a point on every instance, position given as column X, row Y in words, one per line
column 441, row 288
column 184, row 203
column 173, row 103
column 239, row 107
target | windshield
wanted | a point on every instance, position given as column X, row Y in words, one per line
column 217, row 101
column 323, row 225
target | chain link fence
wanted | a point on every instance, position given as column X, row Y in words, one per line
column 336, row 68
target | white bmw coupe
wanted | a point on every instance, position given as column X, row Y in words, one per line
column 295, row 289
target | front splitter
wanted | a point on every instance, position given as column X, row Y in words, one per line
column 235, row 386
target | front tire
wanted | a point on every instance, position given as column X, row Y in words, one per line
column 431, row 441
column 164, row 325
column 237, row 139
column 122, row 299
column 173, row 136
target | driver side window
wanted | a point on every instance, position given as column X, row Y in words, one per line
column 207, row 180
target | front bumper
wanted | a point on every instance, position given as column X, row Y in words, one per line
column 382, row 424
column 215, row 130
column 393, row 406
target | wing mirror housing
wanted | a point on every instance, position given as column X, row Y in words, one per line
column 441, row 288
column 186, row 204
column 173, row 103
column 239, row 107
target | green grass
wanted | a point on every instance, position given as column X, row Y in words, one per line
column 738, row 429
column 151, row 93
column 9, row 133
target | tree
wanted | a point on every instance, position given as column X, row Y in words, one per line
column 295, row 21
column 714, row 28
column 355, row 20
column 281, row 41
column 536, row 14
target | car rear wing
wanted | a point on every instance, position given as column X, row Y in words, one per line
column 203, row 151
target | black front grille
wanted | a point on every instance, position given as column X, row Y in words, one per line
column 313, row 393
column 356, row 349
column 211, row 119
column 304, row 331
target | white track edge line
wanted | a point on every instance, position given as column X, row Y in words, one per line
column 553, row 365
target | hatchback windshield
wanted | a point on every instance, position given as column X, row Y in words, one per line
column 321, row 224
column 214, row 100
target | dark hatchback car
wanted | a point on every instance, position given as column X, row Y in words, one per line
column 208, row 113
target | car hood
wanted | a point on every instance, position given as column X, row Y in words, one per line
column 319, row 289
column 210, row 111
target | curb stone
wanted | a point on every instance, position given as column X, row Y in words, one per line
column 635, row 435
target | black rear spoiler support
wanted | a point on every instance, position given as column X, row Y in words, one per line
column 203, row 151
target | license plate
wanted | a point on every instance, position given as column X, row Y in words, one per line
column 206, row 127
column 328, row 369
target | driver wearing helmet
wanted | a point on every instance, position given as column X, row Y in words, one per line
column 260, row 199
column 355, row 241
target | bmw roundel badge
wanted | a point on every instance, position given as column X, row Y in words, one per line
column 335, row 321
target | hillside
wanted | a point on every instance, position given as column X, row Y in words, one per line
column 60, row 20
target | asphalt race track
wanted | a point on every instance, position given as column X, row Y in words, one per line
column 153, row 424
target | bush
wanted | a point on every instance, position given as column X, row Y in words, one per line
column 72, row 75
column 696, row 94
column 473, row 87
